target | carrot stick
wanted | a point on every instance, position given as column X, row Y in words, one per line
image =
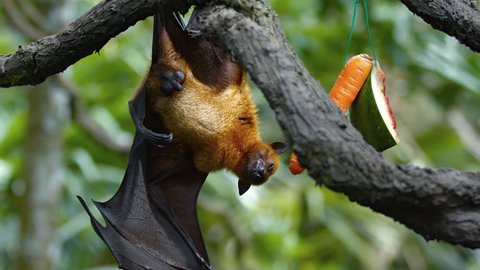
column 294, row 166
column 350, row 81
column 344, row 91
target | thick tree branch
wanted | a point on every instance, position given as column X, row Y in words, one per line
column 79, row 111
column 32, row 63
column 437, row 203
column 458, row 18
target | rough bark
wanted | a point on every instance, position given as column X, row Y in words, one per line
column 460, row 18
column 437, row 203
column 32, row 63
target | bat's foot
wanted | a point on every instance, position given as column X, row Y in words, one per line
column 172, row 81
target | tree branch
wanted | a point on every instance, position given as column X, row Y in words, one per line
column 458, row 18
column 32, row 63
column 437, row 203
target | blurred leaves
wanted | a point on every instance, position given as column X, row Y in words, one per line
column 434, row 87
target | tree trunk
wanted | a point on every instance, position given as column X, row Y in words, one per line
column 44, row 174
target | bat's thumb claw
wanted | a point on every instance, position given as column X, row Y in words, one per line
column 242, row 187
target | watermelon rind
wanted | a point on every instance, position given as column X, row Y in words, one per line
column 371, row 114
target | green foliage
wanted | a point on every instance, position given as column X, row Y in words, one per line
column 288, row 223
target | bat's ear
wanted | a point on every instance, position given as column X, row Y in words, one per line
column 242, row 187
column 279, row 147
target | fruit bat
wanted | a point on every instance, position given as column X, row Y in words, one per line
column 200, row 95
column 193, row 115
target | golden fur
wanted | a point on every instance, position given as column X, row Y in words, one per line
column 219, row 127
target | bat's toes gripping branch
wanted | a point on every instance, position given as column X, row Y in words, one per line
column 172, row 81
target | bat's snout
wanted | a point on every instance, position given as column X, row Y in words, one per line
column 258, row 172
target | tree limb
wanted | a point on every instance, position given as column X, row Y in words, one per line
column 437, row 203
column 32, row 63
column 79, row 110
column 458, row 18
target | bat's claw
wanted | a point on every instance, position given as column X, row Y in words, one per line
column 172, row 81
column 242, row 187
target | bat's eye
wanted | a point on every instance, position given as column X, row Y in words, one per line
column 270, row 167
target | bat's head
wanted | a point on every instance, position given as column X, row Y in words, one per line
column 259, row 163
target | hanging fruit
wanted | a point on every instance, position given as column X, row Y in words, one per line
column 350, row 81
column 343, row 93
column 371, row 113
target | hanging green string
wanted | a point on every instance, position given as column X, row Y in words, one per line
column 352, row 26
column 370, row 40
column 350, row 35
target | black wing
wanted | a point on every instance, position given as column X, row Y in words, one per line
column 151, row 221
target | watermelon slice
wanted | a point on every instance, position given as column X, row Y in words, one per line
column 371, row 114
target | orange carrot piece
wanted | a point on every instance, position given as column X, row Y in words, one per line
column 350, row 81
column 294, row 166
column 344, row 91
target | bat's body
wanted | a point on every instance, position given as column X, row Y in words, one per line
column 193, row 115
column 216, row 126
column 203, row 98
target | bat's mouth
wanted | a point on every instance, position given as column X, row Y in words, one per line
column 256, row 175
